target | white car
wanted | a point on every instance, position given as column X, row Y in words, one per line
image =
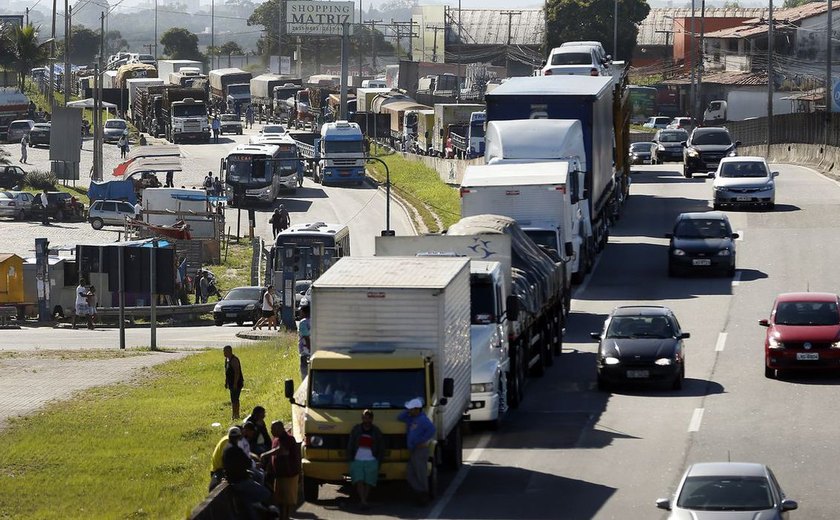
column 109, row 213
column 577, row 60
column 744, row 181
column 114, row 129
column 598, row 46
column 16, row 204
column 657, row 122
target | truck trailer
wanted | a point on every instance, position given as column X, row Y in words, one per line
column 226, row 85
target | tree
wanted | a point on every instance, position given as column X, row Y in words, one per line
column 231, row 48
column 731, row 4
column 795, row 3
column 571, row 20
column 84, row 45
column 114, row 43
column 21, row 50
column 180, row 44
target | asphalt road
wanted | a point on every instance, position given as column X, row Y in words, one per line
column 572, row 452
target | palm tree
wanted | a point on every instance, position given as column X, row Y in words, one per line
column 22, row 51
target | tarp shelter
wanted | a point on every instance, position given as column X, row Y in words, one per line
column 11, row 278
column 154, row 158
column 88, row 103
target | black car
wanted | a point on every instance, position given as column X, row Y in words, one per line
column 11, row 177
column 40, row 134
column 668, row 146
column 61, row 206
column 705, row 148
column 641, row 344
column 640, row 153
column 702, row 242
column 239, row 305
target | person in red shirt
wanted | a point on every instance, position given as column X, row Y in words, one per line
column 365, row 450
column 283, row 463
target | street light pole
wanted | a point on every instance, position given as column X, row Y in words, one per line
column 212, row 31
column 829, row 84
column 615, row 31
column 387, row 231
column 770, row 37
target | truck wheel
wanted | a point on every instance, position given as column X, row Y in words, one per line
column 686, row 172
column 219, row 322
column 310, row 489
column 516, row 380
column 453, row 452
column 558, row 343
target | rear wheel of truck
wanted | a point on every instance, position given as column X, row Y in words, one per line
column 558, row 337
column 310, row 489
column 453, row 452
column 516, row 380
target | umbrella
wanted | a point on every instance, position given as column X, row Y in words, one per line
column 88, row 103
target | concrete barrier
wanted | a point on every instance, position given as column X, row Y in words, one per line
column 825, row 159
column 450, row 171
column 220, row 504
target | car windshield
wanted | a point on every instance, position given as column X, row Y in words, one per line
column 725, row 494
column 673, row 137
column 273, row 129
column 360, row 389
column 244, row 293
column 702, row 228
column 743, row 169
column 229, row 117
column 572, row 58
column 720, row 138
column 115, row 123
column 640, row 327
column 640, row 147
column 807, row 313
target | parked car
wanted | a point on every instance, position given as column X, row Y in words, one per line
column 705, row 148
column 18, row 128
column 231, row 124
column 577, row 60
column 61, row 206
column 114, row 129
column 684, row 123
column 598, row 47
column 16, row 204
column 803, row 333
column 109, row 213
column 239, row 305
column 730, row 490
column 702, row 242
column 301, row 289
column 641, row 344
column 11, row 177
column 668, row 146
column 744, row 181
column 658, row 122
column 640, row 152
column 40, row 134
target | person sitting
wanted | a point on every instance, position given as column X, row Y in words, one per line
column 261, row 442
column 237, row 467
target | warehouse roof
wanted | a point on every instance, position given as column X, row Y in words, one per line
column 490, row 26
column 655, row 28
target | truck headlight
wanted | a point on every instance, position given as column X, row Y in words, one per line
column 482, row 387
column 314, row 441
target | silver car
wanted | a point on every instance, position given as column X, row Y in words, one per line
column 114, row 129
column 17, row 129
column 109, row 213
column 16, row 204
column 744, row 181
column 731, row 490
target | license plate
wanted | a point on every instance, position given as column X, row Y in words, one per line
column 638, row 374
column 807, row 356
column 231, row 315
column 743, row 199
column 701, row 261
column 344, row 173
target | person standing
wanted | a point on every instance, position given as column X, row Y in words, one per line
column 269, row 316
column 123, row 144
column 283, row 465
column 216, row 126
column 217, row 187
column 364, row 451
column 249, row 117
column 304, row 344
column 24, row 144
column 170, row 179
column 197, row 286
column 275, row 222
column 234, row 381
column 419, row 430
column 204, row 287
column 45, row 203
column 285, row 220
column 91, row 301
column 81, row 304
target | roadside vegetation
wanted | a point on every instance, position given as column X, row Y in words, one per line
column 436, row 203
column 139, row 449
column 235, row 269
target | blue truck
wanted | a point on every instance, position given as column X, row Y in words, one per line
column 342, row 154
column 598, row 102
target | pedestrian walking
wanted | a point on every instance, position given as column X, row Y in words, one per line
column 216, row 125
column 82, row 308
column 419, row 430
column 283, row 465
column 269, row 315
column 275, row 221
column 234, row 381
column 24, row 145
column 249, row 117
column 364, row 451
column 45, row 203
column 304, row 345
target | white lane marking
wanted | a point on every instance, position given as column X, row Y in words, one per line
column 721, row 342
column 475, row 454
column 736, row 280
column 740, row 235
column 696, row 419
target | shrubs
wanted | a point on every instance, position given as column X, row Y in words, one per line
column 40, row 180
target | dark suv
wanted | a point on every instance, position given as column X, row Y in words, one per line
column 705, row 148
column 62, row 206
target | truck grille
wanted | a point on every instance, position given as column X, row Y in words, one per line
column 192, row 126
column 344, row 162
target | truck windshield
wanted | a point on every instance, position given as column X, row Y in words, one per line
column 239, row 89
column 477, row 130
column 343, row 146
column 482, row 302
column 360, row 389
column 543, row 237
column 189, row 110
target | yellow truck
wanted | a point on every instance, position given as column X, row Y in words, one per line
column 385, row 330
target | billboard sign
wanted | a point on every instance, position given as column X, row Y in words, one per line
column 835, row 95
column 318, row 18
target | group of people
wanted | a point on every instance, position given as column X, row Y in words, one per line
column 212, row 185
column 85, row 303
column 280, row 220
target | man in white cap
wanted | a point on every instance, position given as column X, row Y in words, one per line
column 419, row 430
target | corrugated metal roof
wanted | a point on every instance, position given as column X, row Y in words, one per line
column 490, row 26
column 392, row 272
column 782, row 18
column 663, row 20
column 725, row 78
column 797, row 14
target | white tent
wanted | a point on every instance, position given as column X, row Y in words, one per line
column 88, row 103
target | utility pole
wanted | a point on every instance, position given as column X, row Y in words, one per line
column 281, row 32
column 68, row 21
column 460, row 46
column 435, row 28
column 52, row 63
column 345, row 66
column 372, row 24
column 829, row 84
column 693, row 50
column 27, row 16
column 156, row 38
column 510, row 15
column 213, row 31
column 97, row 106
column 148, row 47
column 770, row 74
column 615, row 30
column 361, row 24
column 700, row 59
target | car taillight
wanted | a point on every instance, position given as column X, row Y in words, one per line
column 547, row 73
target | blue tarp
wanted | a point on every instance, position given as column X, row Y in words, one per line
column 112, row 190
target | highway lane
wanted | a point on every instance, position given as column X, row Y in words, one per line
column 571, row 452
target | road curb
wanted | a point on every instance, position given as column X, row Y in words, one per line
column 409, row 209
column 259, row 335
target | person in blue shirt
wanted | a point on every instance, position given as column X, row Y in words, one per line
column 419, row 430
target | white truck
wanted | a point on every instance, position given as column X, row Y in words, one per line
column 134, row 83
column 552, row 205
column 385, row 330
column 745, row 104
column 167, row 67
column 489, row 304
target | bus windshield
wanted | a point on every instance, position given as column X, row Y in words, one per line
column 343, row 146
column 246, row 171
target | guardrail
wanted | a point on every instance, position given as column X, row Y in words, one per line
column 162, row 311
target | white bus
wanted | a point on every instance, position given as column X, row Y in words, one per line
column 259, row 172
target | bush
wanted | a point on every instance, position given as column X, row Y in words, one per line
column 40, row 180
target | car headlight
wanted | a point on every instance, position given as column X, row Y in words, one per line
column 720, row 188
column 217, row 308
column 250, row 306
column 315, row 441
column 482, row 387
column 724, row 252
column 678, row 252
column 610, row 360
column 766, row 187
column 836, row 344
column 774, row 342
column 691, row 152
column 664, row 362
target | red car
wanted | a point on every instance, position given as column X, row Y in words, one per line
column 803, row 333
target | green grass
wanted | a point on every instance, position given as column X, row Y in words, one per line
column 235, row 269
column 140, row 449
column 421, row 187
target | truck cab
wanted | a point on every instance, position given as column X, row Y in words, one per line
column 342, row 153
column 238, row 94
column 189, row 120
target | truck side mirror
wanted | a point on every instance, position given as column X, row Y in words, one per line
column 289, row 388
column 512, row 306
column 570, row 249
column 448, row 387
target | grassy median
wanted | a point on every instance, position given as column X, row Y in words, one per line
column 139, row 449
column 421, row 187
